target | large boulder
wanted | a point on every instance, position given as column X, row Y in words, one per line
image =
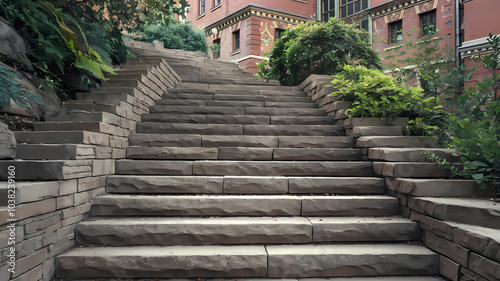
column 7, row 142
column 12, row 48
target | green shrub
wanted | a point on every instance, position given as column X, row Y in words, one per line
column 176, row 36
column 373, row 93
column 317, row 48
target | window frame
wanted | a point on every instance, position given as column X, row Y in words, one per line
column 278, row 31
column 217, row 54
column 397, row 31
column 428, row 23
column 236, row 40
column 202, row 7
column 349, row 8
column 328, row 10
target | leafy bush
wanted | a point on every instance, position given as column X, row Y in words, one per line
column 317, row 48
column 11, row 88
column 176, row 36
column 374, row 94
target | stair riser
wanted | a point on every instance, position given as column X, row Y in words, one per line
column 212, row 110
column 243, row 185
column 237, row 119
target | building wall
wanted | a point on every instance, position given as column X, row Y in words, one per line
column 480, row 18
column 257, row 32
column 412, row 24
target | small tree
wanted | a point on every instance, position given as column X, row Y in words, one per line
column 317, row 48
column 176, row 36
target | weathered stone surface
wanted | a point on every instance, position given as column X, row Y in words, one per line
column 203, row 205
column 318, row 154
column 12, row 48
column 357, row 122
column 176, row 140
column 236, row 103
column 174, row 118
column 199, row 110
column 478, row 212
column 439, row 187
column 397, row 141
column 449, row 268
column 255, row 185
column 482, row 240
column 270, row 111
column 152, row 167
column 349, row 206
column 302, row 120
column 245, row 153
column 348, row 260
column 163, row 184
column 363, row 131
column 55, row 151
column 315, row 142
column 276, row 168
column 73, row 137
column 446, row 248
column 34, row 191
column 165, row 262
column 410, row 154
column 239, row 141
column 183, row 102
column 171, row 231
column 7, row 140
column 349, row 229
column 485, row 267
column 47, row 170
column 209, row 129
column 291, row 104
column 336, row 185
column 410, row 169
column 139, row 152
column 238, row 119
column 293, row 130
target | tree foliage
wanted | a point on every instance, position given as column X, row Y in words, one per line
column 176, row 36
column 317, row 48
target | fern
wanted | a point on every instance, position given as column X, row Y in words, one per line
column 11, row 89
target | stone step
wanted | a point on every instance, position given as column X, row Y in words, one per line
column 244, row 205
column 127, row 184
column 172, row 95
column 47, row 169
column 244, row 153
column 55, row 151
column 247, row 261
column 480, row 212
column 390, row 278
column 410, row 154
column 243, row 230
column 230, row 103
column 274, row 88
column 193, row 140
column 237, row 119
column 236, row 129
column 64, row 115
column 412, row 170
column 397, row 141
column 366, row 131
column 439, row 187
column 215, row 110
column 62, row 137
column 244, row 168
column 81, row 126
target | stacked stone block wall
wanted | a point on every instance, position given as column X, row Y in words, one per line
column 53, row 195
column 467, row 252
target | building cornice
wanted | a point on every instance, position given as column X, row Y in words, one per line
column 475, row 47
column 253, row 10
column 393, row 6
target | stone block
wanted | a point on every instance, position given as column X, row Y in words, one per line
column 239, row 141
column 68, row 187
column 244, row 153
column 164, row 184
column 153, row 167
column 35, row 208
column 173, row 153
column 255, row 185
column 165, row 140
column 449, row 268
column 103, row 167
column 7, row 142
column 446, row 248
column 349, row 206
column 336, row 185
column 31, row 275
column 364, row 131
column 485, row 267
column 34, row 260
column 37, row 225
column 315, row 142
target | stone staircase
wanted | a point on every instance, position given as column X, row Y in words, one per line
column 232, row 177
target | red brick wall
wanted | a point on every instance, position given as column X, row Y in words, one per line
column 480, row 18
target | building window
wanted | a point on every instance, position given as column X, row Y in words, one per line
column 351, row 7
column 327, row 9
column 202, row 7
column 217, row 2
column 216, row 49
column 429, row 23
column 396, row 31
column 278, row 33
column 236, row 40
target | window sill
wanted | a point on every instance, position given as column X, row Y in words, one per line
column 394, row 46
column 235, row 52
column 302, row 1
column 216, row 7
column 200, row 16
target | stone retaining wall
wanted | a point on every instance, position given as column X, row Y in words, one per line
column 467, row 251
column 52, row 196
